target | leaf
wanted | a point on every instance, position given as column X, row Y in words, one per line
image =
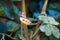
column 3, row 28
column 53, row 38
column 56, row 32
column 52, row 8
column 42, row 28
column 50, row 29
column 52, row 21
column 47, row 19
column 31, row 19
column 42, row 17
column 7, row 10
column 14, row 15
column 15, row 12
column 46, row 29
column 1, row 10
column 20, row 37
column 12, row 26
column 58, row 20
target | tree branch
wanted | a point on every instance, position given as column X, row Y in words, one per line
column 7, row 35
column 8, row 18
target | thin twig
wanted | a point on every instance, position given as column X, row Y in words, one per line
column 22, row 29
column 7, row 35
column 43, row 12
column 12, row 32
column 3, row 36
column 35, row 33
column 31, row 35
column 24, row 26
column 9, row 19
column 26, row 32
column 44, row 7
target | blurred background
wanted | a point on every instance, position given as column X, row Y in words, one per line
column 10, row 12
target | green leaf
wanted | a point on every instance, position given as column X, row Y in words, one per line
column 51, row 21
column 53, row 38
column 55, row 32
column 58, row 20
column 20, row 37
column 46, row 29
column 42, row 17
column 14, row 14
column 50, row 29
column 12, row 26
column 31, row 19
column 47, row 19
column 1, row 10
column 52, row 8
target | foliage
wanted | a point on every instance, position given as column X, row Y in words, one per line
column 53, row 38
column 48, row 26
column 15, row 12
column 1, row 10
column 20, row 37
column 49, row 29
column 56, row 9
column 12, row 26
column 3, row 28
column 49, row 20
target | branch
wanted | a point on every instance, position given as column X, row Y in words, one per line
column 43, row 12
column 31, row 35
column 24, row 26
column 35, row 33
column 8, row 18
column 44, row 7
column 3, row 37
column 7, row 35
